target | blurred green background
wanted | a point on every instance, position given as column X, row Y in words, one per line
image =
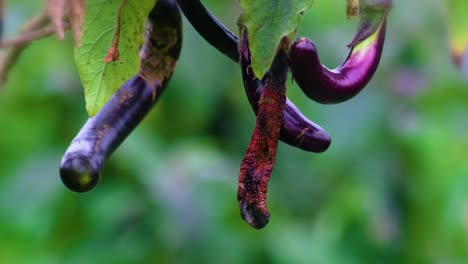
column 392, row 188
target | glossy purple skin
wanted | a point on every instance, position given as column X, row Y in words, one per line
column 103, row 133
column 296, row 129
column 338, row 85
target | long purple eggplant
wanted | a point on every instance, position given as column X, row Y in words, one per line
column 102, row 134
column 296, row 130
column 338, row 85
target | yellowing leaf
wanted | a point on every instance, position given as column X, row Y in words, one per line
column 458, row 30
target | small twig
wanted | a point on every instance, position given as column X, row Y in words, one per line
column 76, row 15
column 11, row 56
column 35, row 22
column 55, row 10
column 28, row 37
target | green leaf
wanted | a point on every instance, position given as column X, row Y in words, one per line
column 267, row 22
column 100, row 80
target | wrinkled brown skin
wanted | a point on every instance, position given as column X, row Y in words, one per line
column 260, row 157
column 297, row 130
column 102, row 134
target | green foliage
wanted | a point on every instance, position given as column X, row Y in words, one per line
column 268, row 22
column 392, row 188
column 100, row 79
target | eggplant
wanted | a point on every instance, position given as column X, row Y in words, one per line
column 334, row 86
column 296, row 130
column 260, row 156
column 81, row 164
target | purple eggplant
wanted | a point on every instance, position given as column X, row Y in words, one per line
column 338, row 85
column 296, row 130
column 102, row 134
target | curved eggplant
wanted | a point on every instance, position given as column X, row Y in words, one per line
column 102, row 134
column 338, row 85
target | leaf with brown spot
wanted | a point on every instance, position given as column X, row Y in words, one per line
column 100, row 79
